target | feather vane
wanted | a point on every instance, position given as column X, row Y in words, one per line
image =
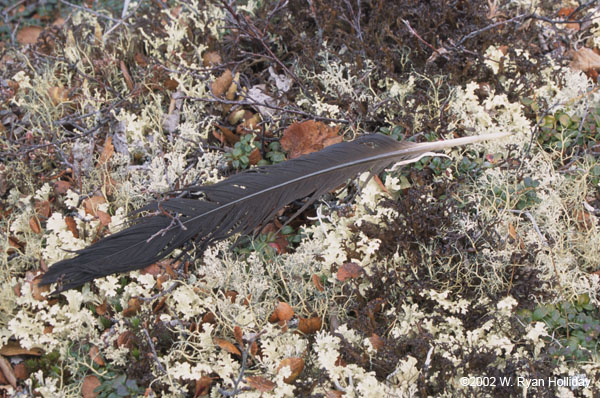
column 237, row 205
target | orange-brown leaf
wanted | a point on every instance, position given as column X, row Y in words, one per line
column 585, row 60
column 222, row 83
column 317, row 282
column 309, row 325
column 72, row 226
column 28, row 34
column 260, row 383
column 237, row 333
column 283, row 312
column 107, row 152
column 202, row 386
column 8, row 372
column 58, row 95
column 90, row 383
column 34, row 224
column 376, row 341
column 308, row 136
column 91, row 204
column 227, row 346
column 348, row 271
column 211, row 58
column 95, row 356
column 295, row 364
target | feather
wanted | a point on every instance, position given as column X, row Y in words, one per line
column 236, row 205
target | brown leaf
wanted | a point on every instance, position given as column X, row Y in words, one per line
column 585, row 60
column 126, row 339
column 202, row 386
column 37, row 290
column 376, row 341
column 96, row 357
column 295, row 364
column 8, row 372
column 334, row 394
column 103, row 217
column 107, row 152
column 237, row 333
column 13, row 348
column 512, row 232
column 254, row 157
column 309, row 325
column 90, row 383
column 28, row 35
column 317, row 282
column 349, row 271
column 61, row 187
column 222, row 83
column 133, row 307
column 126, row 75
column 140, row 59
column 58, row 95
column 565, row 14
column 42, row 208
column 21, row 371
column 34, row 224
column 211, row 58
column 308, row 136
column 91, row 204
column 72, row 226
column 227, row 346
column 102, row 308
column 283, row 312
column 260, row 383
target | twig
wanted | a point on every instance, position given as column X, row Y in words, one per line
column 151, row 344
column 237, row 382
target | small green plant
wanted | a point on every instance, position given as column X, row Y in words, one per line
column 521, row 197
column 239, row 157
column 275, row 153
column 118, row 386
column 575, row 327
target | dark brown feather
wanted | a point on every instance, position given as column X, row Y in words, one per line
column 236, row 205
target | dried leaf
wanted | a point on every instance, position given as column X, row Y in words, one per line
column 254, row 157
column 95, row 356
column 334, row 394
column 13, row 348
column 260, row 383
column 211, row 58
column 90, row 383
column 72, row 226
column 227, row 346
column 126, row 75
column 126, row 339
column 8, row 372
column 295, row 364
column 202, row 386
column 61, row 187
column 37, row 290
column 309, row 325
column 102, row 308
column 376, row 341
column 308, row 136
column 585, row 60
column 107, row 152
column 21, row 371
column 58, row 95
column 283, row 312
column 348, row 271
column 237, row 333
column 317, row 282
column 133, row 307
column 34, row 224
column 28, row 35
column 512, row 232
column 91, row 204
column 222, row 83
column 42, row 208
column 103, row 217
column 233, row 87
